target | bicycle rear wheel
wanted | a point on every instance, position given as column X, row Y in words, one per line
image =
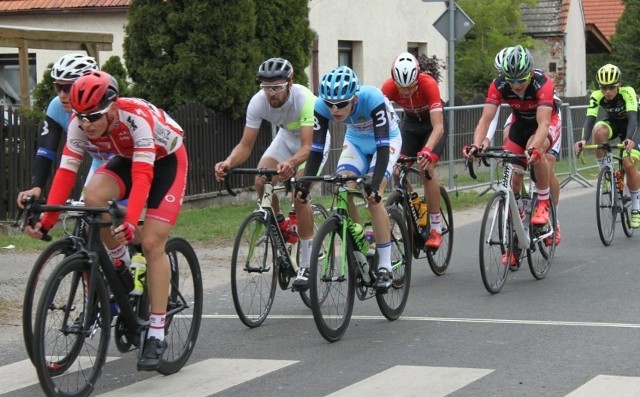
column 439, row 259
column 605, row 206
column 541, row 251
column 395, row 200
column 320, row 214
column 495, row 243
column 253, row 271
column 71, row 338
column 52, row 255
column 184, row 308
column 393, row 302
column 332, row 280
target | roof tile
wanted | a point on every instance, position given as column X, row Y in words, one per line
column 603, row 14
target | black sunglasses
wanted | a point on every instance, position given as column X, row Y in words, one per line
column 92, row 117
column 62, row 87
column 337, row 105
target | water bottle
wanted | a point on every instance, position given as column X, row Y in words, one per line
column 421, row 209
column 357, row 232
column 292, row 228
column 371, row 239
column 124, row 274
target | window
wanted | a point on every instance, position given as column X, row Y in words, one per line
column 10, row 78
column 345, row 53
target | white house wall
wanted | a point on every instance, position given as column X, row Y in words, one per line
column 102, row 23
column 575, row 52
column 384, row 27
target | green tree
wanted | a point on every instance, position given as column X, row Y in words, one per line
column 283, row 31
column 203, row 51
column 497, row 25
column 43, row 91
column 626, row 51
column 114, row 67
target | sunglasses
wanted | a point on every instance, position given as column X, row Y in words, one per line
column 62, row 87
column 608, row 87
column 274, row 88
column 337, row 105
column 518, row 81
column 92, row 117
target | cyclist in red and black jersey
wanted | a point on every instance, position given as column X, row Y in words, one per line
column 620, row 105
column 536, row 127
column 422, row 128
column 149, row 167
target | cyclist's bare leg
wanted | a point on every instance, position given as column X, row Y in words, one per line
column 154, row 239
column 633, row 176
column 268, row 162
column 100, row 189
column 554, row 184
column 432, row 190
column 601, row 134
column 305, row 215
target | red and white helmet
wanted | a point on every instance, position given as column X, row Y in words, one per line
column 405, row 70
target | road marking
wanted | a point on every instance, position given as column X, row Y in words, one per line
column 406, row 380
column 608, row 385
column 22, row 374
column 202, row 379
column 448, row 320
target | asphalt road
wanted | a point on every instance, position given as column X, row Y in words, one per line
column 574, row 333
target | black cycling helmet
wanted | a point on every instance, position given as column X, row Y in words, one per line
column 275, row 69
column 517, row 63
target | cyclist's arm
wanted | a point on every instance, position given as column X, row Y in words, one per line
column 631, row 107
column 320, row 128
column 380, row 118
column 48, row 144
column 493, row 126
column 592, row 115
column 306, row 131
column 242, row 150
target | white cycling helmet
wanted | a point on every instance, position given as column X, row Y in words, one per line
column 72, row 66
column 405, row 70
column 497, row 62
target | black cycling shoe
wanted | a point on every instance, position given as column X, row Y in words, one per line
column 301, row 283
column 384, row 278
column 153, row 350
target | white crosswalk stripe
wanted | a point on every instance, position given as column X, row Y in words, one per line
column 212, row 376
column 22, row 374
column 414, row 381
column 607, row 385
column 204, row 378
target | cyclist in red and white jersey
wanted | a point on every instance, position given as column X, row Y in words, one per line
column 536, row 127
column 422, row 128
column 149, row 167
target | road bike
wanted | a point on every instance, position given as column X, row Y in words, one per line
column 342, row 267
column 505, row 237
column 401, row 198
column 76, row 309
column 612, row 193
column 262, row 258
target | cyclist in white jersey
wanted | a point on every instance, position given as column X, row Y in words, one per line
column 289, row 107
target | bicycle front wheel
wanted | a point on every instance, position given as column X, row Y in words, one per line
column 495, row 243
column 605, row 206
column 184, row 308
column 320, row 214
column 332, row 280
column 541, row 251
column 253, row 271
column 439, row 259
column 393, row 302
column 52, row 255
column 66, row 322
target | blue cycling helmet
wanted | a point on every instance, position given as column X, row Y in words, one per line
column 340, row 84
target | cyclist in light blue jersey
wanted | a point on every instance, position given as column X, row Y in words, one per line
column 371, row 147
column 54, row 129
